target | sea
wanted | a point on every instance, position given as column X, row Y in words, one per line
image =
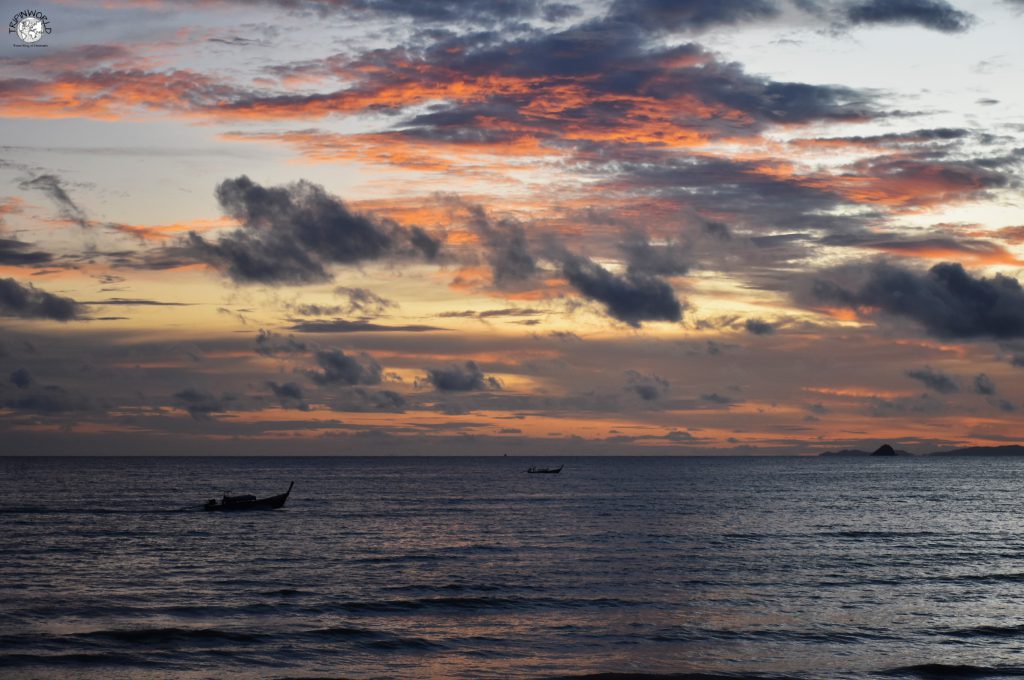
column 685, row 568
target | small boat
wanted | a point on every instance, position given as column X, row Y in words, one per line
column 545, row 471
column 248, row 502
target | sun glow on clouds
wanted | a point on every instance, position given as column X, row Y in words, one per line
column 596, row 233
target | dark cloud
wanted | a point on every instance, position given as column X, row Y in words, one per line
column 508, row 253
column 492, row 313
column 455, row 12
column 338, row 368
column 200, row 404
column 667, row 258
column 934, row 14
column 934, row 380
column 346, row 326
column 271, row 344
column 18, row 253
column 903, row 406
column 946, row 300
column 465, row 378
column 632, row 298
column 428, row 246
column 716, row 398
column 235, row 41
column 984, row 385
column 717, row 230
column 288, row 390
column 133, row 302
column 29, row 302
column 759, row 327
column 898, row 138
column 50, row 400
column 695, row 15
column 289, row 394
column 293, row 233
column 647, row 387
column 21, row 378
column 364, row 302
column 53, row 187
column 317, row 310
column 362, row 400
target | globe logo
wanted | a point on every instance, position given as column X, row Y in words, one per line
column 30, row 29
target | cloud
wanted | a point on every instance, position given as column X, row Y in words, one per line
column 288, row 390
column 271, row 344
column 935, row 380
column 716, row 398
column 16, row 253
column 759, row 327
column 507, row 251
column 631, row 298
column 294, row 233
column 289, row 394
column 200, row 404
column 21, row 378
column 934, row 14
column 133, row 302
column 49, row 400
column 946, row 300
column 668, row 258
column 505, row 312
column 696, row 15
column 53, row 187
column 346, row 326
column 339, row 368
column 901, row 406
column 459, row 12
column 984, row 385
column 27, row 301
column 364, row 302
column 361, row 400
column 647, row 387
column 465, row 378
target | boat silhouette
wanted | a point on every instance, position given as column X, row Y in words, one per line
column 545, row 471
column 248, row 502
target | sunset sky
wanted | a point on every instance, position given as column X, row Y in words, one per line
column 512, row 226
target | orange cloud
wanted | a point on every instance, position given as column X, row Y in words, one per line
column 165, row 231
column 972, row 251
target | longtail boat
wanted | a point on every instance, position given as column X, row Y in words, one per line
column 248, row 502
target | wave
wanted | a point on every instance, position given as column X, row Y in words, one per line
column 940, row 671
column 698, row 634
column 471, row 602
column 673, row 676
column 171, row 635
column 374, row 639
column 49, row 510
column 853, row 533
column 989, row 632
column 76, row 659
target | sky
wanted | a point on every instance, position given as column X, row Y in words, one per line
column 627, row 227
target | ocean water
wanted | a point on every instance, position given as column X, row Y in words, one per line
column 470, row 568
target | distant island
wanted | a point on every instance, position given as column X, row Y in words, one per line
column 883, row 450
column 1008, row 450
column 887, row 450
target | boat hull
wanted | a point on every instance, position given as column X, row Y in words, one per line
column 269, row 503
column 545, row 471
